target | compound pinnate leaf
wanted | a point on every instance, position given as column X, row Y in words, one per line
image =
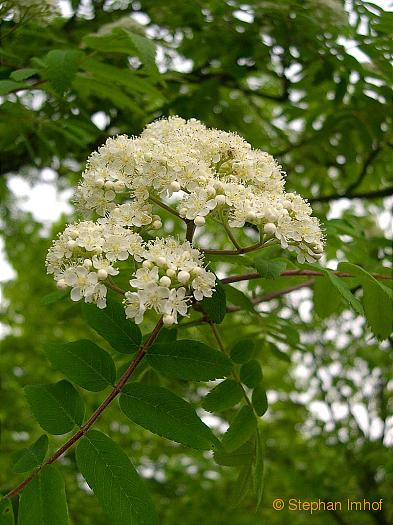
column 28, row 458
column 165, row 414
column 84, row 363
column 111, row 323
column 241, row 429
column 114, row 480
column 57, row 407
column 43, row 501
column 223, row 396
column 186, row 359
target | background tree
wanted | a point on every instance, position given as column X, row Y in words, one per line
column 309, row 83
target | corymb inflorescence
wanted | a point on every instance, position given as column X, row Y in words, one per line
column 214, row 174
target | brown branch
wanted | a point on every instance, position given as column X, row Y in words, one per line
column 273, row 295
column 96, row 414
column 376, row 194
column 294, row 273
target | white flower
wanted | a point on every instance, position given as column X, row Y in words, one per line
column 100, row 263
column 144, row 278
column 176, row 303
column 134, row 307
column 82, row 282
column 203, row 285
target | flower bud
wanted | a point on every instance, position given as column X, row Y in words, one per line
column 270, row 228
column 147, row 264
column 156, row 225
column 119, row 186
column 174, row 186
column 165, row 281
column 220, row 199
column 170, row 272
column 102, row 274
column 99, row 182
column 109, row 185
column 168, row 320
column 199, row 220
column 197, row 270
column 87, row 263
column 71, row 244
column 183, row 277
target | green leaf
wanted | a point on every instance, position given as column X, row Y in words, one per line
column 241, row 429
column 57, row 407
column 279, row 353
column 251, row 373
column 377, row 300
column 83, row 363
column 238, row 298
column 6, row 512
column 327, row 299
column 111, row 323
column 223, row 396
column 43, row 501
column 191, row 360
column 259, row 470
column 269, row 269
column 165, row 414
column 243, row 485
column 242, row 455
column 146, row 50
column 215, row 306
column 121, row 40
column 29, row 458
column 114, row 480
column 123, row 77
column 22, row 74
column 243, row 350
column 345, row 293
column 6, row 86
column 259, row 400
column 62, row 65
column 53, row 297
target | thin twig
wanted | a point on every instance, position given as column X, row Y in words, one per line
column 273, row 295
column 165, row 207
column 239, row 251
column 294, row 273
column 96, row 414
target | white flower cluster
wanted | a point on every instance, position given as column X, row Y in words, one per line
column 168, row 273
column 211, row 172
column 171, row 273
